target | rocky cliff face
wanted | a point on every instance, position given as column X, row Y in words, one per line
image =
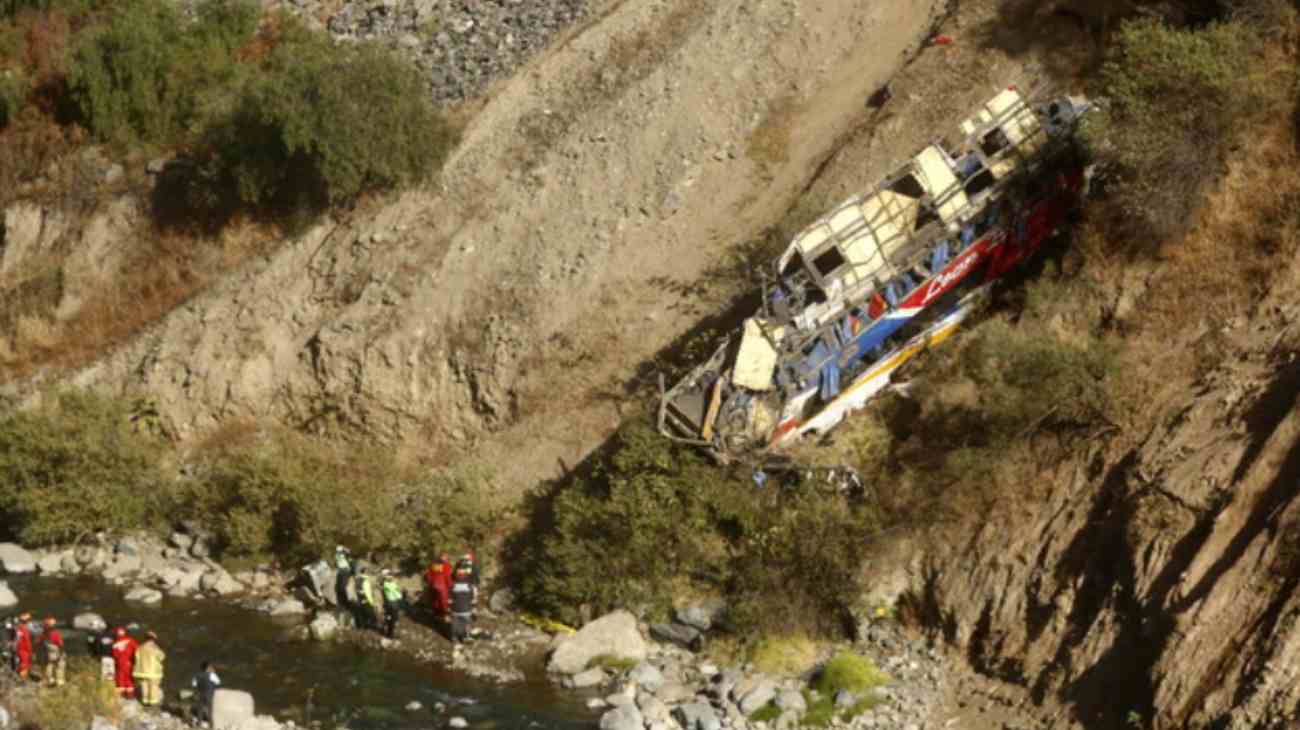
column 1151, row 573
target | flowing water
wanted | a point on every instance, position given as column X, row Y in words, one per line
column 368, row 689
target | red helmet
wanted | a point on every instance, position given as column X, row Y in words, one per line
column 119, row 632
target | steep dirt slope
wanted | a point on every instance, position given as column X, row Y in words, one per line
column 590, row 193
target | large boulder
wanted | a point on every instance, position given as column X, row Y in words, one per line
column 89, row 622
column 219, row 582
column 652, row 708
column 14, row 559
column 613, row 634
column 682, row 635
column 593, row 677
column 123, row 565
column 7, row 597
column 231, row 709
column 622, row 717
column 503, row 601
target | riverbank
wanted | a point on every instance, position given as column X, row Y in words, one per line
column 633, row 674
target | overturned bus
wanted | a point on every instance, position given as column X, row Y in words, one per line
column 883, row 276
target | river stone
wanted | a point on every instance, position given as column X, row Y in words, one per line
column 596, row 703
column 4, row 718
column 88, row 621
column 122, row 566
column 646, row 675
column 458, row 723
column 845, row 699
column 50, row 563
column 324, row 627
column 680, row 634
column 284, row 607
column 231, row 709
column 613, row 634
column 589, row 678
column 90, row 557
column 219, row 582
column 68, row 562
column 7, row 597
column 101, row 723
column 697, row 716
column 674, row 692
column 14, row 559
column 414, row 706
column 652, row 708
column 792, row 701
column 699, row 616
column 618, row 699
column 762, row 693
column 623, row 717
column 144, row 594
column 502, row 601
column 180, row 540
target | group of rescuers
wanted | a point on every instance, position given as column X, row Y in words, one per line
column 453, row 590
column 134, row 667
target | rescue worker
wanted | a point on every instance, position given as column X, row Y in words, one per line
column 393, row 600
column 369, row 617
column 101, row 645
column 438, row 578
column 23, row 644
column 148, row 671
column 467, row 562
column 56, row 659
column 463, row 593
column 124, row 662
column 205, row 685
column 342, row 564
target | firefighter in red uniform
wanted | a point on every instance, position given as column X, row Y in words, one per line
column 124, row 663
column 23, row 645
column 438, row 577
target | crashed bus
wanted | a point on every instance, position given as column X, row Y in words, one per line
column 883, row 276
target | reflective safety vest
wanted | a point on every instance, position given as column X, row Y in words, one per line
column 392, row 591
column 462, row 597
column 149, row 660
column 366, row 590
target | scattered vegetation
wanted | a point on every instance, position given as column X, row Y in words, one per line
column 84, row 463
column 78, row 465
column 71, row 707
column 784, row 655
column 1175, row 98
column 269, row 116
column 651, row 515
column 615, row 664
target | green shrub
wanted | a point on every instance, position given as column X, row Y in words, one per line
column 325, row 122
column 1174, row 98
column 653, row 515
column 78, row 465
column 850, row 672
column 784, row 655
column 295, row 499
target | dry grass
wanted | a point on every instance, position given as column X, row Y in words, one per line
column 769, row 143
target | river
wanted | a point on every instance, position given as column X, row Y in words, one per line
column 300, row 679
